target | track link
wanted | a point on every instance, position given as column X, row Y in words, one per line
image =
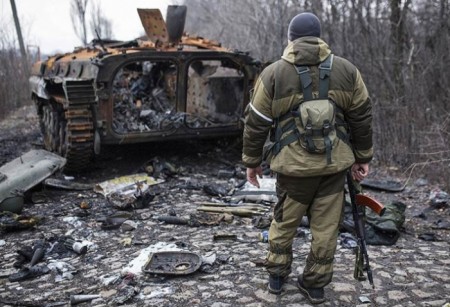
column 67, row 124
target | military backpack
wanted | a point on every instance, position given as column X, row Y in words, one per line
column 313, row 121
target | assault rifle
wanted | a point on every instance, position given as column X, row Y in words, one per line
column 359, row 201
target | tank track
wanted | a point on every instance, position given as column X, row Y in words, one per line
column 70, row 131
column 78, row 147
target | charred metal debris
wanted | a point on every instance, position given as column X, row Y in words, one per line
column 145, row 97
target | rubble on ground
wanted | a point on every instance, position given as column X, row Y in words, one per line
column 79, row 247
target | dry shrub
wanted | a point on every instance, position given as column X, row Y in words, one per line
column 14, row 86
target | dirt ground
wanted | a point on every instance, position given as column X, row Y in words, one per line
column 197, row 164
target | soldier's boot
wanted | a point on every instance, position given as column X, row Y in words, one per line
column 314, row 295
column 276, row 284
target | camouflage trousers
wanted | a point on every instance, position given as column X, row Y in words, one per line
column 321, row 199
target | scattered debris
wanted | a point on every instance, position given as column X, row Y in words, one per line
column 383, row 185
column 29, row 273
column 82, row 298
column 440, row 224
column 260, row 197
column 267, row 185
column 129, row 225
column 160, row 168
column 252, row 206
column 136, row 265
column 225, row 236
column 136, row 200
column 428, row 236
column 439, row 199
column 67, row 184
column 264, row 236
column 124, row 294
column 242, row 212
column 215, row 190
column 421, row 215
column 128, row 191
column 262, row 222
column 126, row 185
column 421, row 182
column 364, row 300
column 38, row 197
column 77, row 246
column 116, row 220
column 173, row 263
column 347, row 240
column 266, row 194
column 38, row 253
column 175, row 220
column 62, row 270
column 11, row 222
column 241, row 209
column 226, row 174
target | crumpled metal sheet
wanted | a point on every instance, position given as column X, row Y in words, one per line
column 25, row 172
column 126, row 184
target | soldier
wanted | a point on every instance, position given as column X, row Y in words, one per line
column 310, row 161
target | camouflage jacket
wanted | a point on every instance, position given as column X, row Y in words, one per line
column 278, row 90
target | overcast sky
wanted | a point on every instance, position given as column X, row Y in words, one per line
column 47, row 23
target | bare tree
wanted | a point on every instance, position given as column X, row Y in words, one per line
column 19, row 31
column 99, row 24
column 78, row 16
column 259, row 27
column 13, row 75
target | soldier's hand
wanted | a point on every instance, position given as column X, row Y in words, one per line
column 360, row 171
column 252, row 175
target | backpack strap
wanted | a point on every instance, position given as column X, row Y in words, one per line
column 292, row 137
column 324, row 75
column 342, row 127
column 324, row 84
column 305, row 81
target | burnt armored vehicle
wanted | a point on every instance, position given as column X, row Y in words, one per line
column 165, row 86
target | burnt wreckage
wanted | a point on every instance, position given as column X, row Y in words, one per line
column 165, row 86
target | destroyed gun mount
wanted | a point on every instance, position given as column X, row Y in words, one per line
column 165, row 86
